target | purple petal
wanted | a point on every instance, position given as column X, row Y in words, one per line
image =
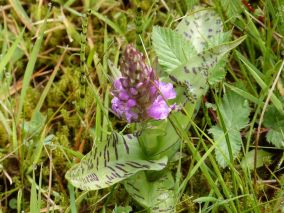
column 125, row 82
column 140, row 84
column 153, row 88
column 116, row 103
column 133, row 91
column 117, row 84
column 123, row 96
column 131, row 103
column 158, row 110
column 131, row 116
column 167, row 90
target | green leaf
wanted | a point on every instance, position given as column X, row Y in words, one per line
column 274, row 120
column 202, row 28
column 231, row 8
column 157, row 195
column 234, row 111
column 258, row 77
column 222, row 152
column 159, row 138
column 194, row 73
column 10, row 53
column 217, row 73
column 248, row 159
column 110, row 162
column 191, row 54
column 171, row 48
column 35, row 126
column 30, row 67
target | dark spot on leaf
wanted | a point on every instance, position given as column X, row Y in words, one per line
column 173, row 78
column 186, row 70
column 186, row 22
column 187, row 35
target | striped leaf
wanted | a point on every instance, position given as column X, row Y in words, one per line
column 156, row 196
column 110, row 162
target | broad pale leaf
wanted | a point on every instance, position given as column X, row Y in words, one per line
column 110, row 162
column 157, row 196
column 194, row 73
column 201, row 28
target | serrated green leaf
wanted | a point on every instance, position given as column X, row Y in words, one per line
column 234, row 111
column 222, row 152
column 157, row 195
column 248, row 159
column 274, row 120
column 110, row 162
column 172, row 49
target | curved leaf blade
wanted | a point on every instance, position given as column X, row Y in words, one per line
column 110, row 162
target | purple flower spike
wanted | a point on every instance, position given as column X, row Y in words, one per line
column 138, row 94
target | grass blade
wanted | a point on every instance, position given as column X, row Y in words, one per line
column 4, row 61
column 30, row 68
